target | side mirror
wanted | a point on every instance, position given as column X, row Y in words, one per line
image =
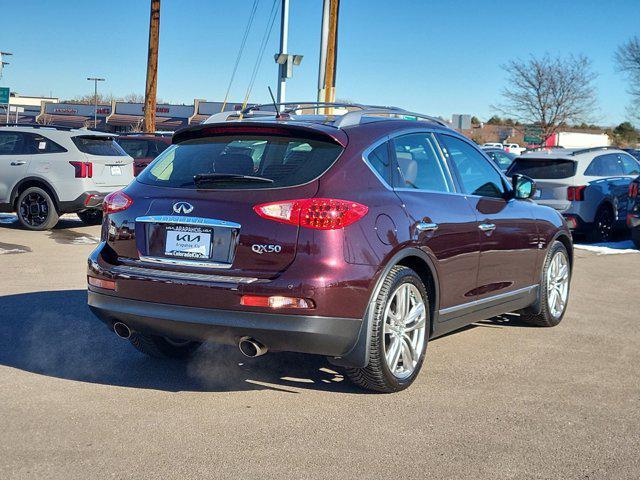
column 523, row 186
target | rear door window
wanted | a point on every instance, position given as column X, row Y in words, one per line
column 543, row 169
column 37, row 144
column 418, row 164
column 380, row 161
column 608, row 165
column 98, row 145
column 12, row 143
column 229, row 161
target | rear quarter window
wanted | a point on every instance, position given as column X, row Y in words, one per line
column 278, row 161
column 543, row 168
column 95, row 145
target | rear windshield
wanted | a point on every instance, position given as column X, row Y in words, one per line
column 270, row 161
column 104, row 146
column 543, row 169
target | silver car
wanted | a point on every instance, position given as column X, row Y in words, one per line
column 588, row 186
column 46, row 171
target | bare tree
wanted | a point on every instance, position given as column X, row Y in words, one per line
column 549, row 92
column 627, row 58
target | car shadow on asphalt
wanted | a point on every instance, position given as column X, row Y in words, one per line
column 10, row 221
column 55, row 334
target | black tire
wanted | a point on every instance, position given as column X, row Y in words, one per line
column 92, row 216
column 36, row 209
column 603, row 225
column 635, row 236
column 161, row 347
column 545, row 317
column 376, row 375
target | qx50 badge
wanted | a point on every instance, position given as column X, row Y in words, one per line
column 182, row 207
column 260, row 249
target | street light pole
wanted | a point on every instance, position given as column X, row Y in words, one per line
column 284, row 37
column 95, row 81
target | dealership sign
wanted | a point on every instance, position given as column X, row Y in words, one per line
column 164, row 110
column 76, row 109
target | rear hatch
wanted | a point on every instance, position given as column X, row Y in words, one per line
column 111, row 166
column 193, row 207
column 552, row 176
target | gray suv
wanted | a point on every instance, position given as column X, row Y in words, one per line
column 588, row 186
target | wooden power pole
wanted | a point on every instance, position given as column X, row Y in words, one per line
column 328, row 51
column 152, row 69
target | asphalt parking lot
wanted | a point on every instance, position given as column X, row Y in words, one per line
column 496, row 400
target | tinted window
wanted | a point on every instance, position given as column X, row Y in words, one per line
column 502, row 159
column 543, row 168
column 135, row 148
column 104, row 146
column 11, row 143
column 286, row 161
column 379, row 160
column 477, row 175
column 37, row 144
column 160, row 147
column 629, row 165
column 419, row 166
column 608, row 165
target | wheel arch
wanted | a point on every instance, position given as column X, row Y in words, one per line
column 423, row 265
column 28, row 182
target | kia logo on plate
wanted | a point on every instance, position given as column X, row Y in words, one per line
column 182, row 207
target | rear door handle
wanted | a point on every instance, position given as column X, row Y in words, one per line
column 17, row 163
column 487, row 227
column 426, row 227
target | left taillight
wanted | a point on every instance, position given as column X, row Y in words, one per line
column 316, row 213
column 633, row 189
column 116, row 202
column 83, row 169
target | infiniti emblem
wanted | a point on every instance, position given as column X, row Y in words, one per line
column 182, row 207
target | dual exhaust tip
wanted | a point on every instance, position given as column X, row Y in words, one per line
column 248, row 346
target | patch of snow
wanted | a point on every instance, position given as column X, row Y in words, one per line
column 8, row 218
column 609, row 248
column 9, row 251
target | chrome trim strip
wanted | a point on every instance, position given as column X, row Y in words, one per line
column 482, row 301
column 177, row 219
column 183, row 262
column 127, row 271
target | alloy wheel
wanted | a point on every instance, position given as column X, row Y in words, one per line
column 405, row 320
column 34, row 209
column 558, row 284
column 604, row 225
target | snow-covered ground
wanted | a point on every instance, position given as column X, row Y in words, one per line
column 609, row 248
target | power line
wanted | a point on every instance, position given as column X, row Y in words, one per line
column 242, row 45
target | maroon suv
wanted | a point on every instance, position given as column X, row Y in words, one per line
column 358, row 237
column 143, row 148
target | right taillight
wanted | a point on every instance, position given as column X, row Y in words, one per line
column 576, row 194
column 633, row 189
column 116, row 202
column 316, row 213
column 83, row 169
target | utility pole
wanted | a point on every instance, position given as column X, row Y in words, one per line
column 152, row 69
column 95, row 81
column 328, row 51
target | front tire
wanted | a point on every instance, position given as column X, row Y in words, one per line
column 162, row 347
column 92, row 216
column 554, row 289
column 36, row 209
column 399, row 334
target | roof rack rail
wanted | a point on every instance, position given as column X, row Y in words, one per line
column 593, row 149
column 37, row 125
column 353, row 117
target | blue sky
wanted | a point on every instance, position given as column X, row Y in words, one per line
column 435, row 57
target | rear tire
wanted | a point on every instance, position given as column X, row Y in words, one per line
column 554, row 288
column 399, row 334
column 603, row 225
column 92, row 216
column 161, row 347
column 36, row 209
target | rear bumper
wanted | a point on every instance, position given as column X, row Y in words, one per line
column 328, row 336
column 85, row 201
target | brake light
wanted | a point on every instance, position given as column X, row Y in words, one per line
column 633, row 190
column 576, row 194
column 83, row 169
column 116, row 202
column 316, row 213
column 275, row 302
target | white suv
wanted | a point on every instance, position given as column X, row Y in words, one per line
column 46, row 171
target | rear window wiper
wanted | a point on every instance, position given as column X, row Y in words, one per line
column 204, row 178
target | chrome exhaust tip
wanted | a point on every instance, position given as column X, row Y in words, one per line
column 122, row 330
column 250, row 347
